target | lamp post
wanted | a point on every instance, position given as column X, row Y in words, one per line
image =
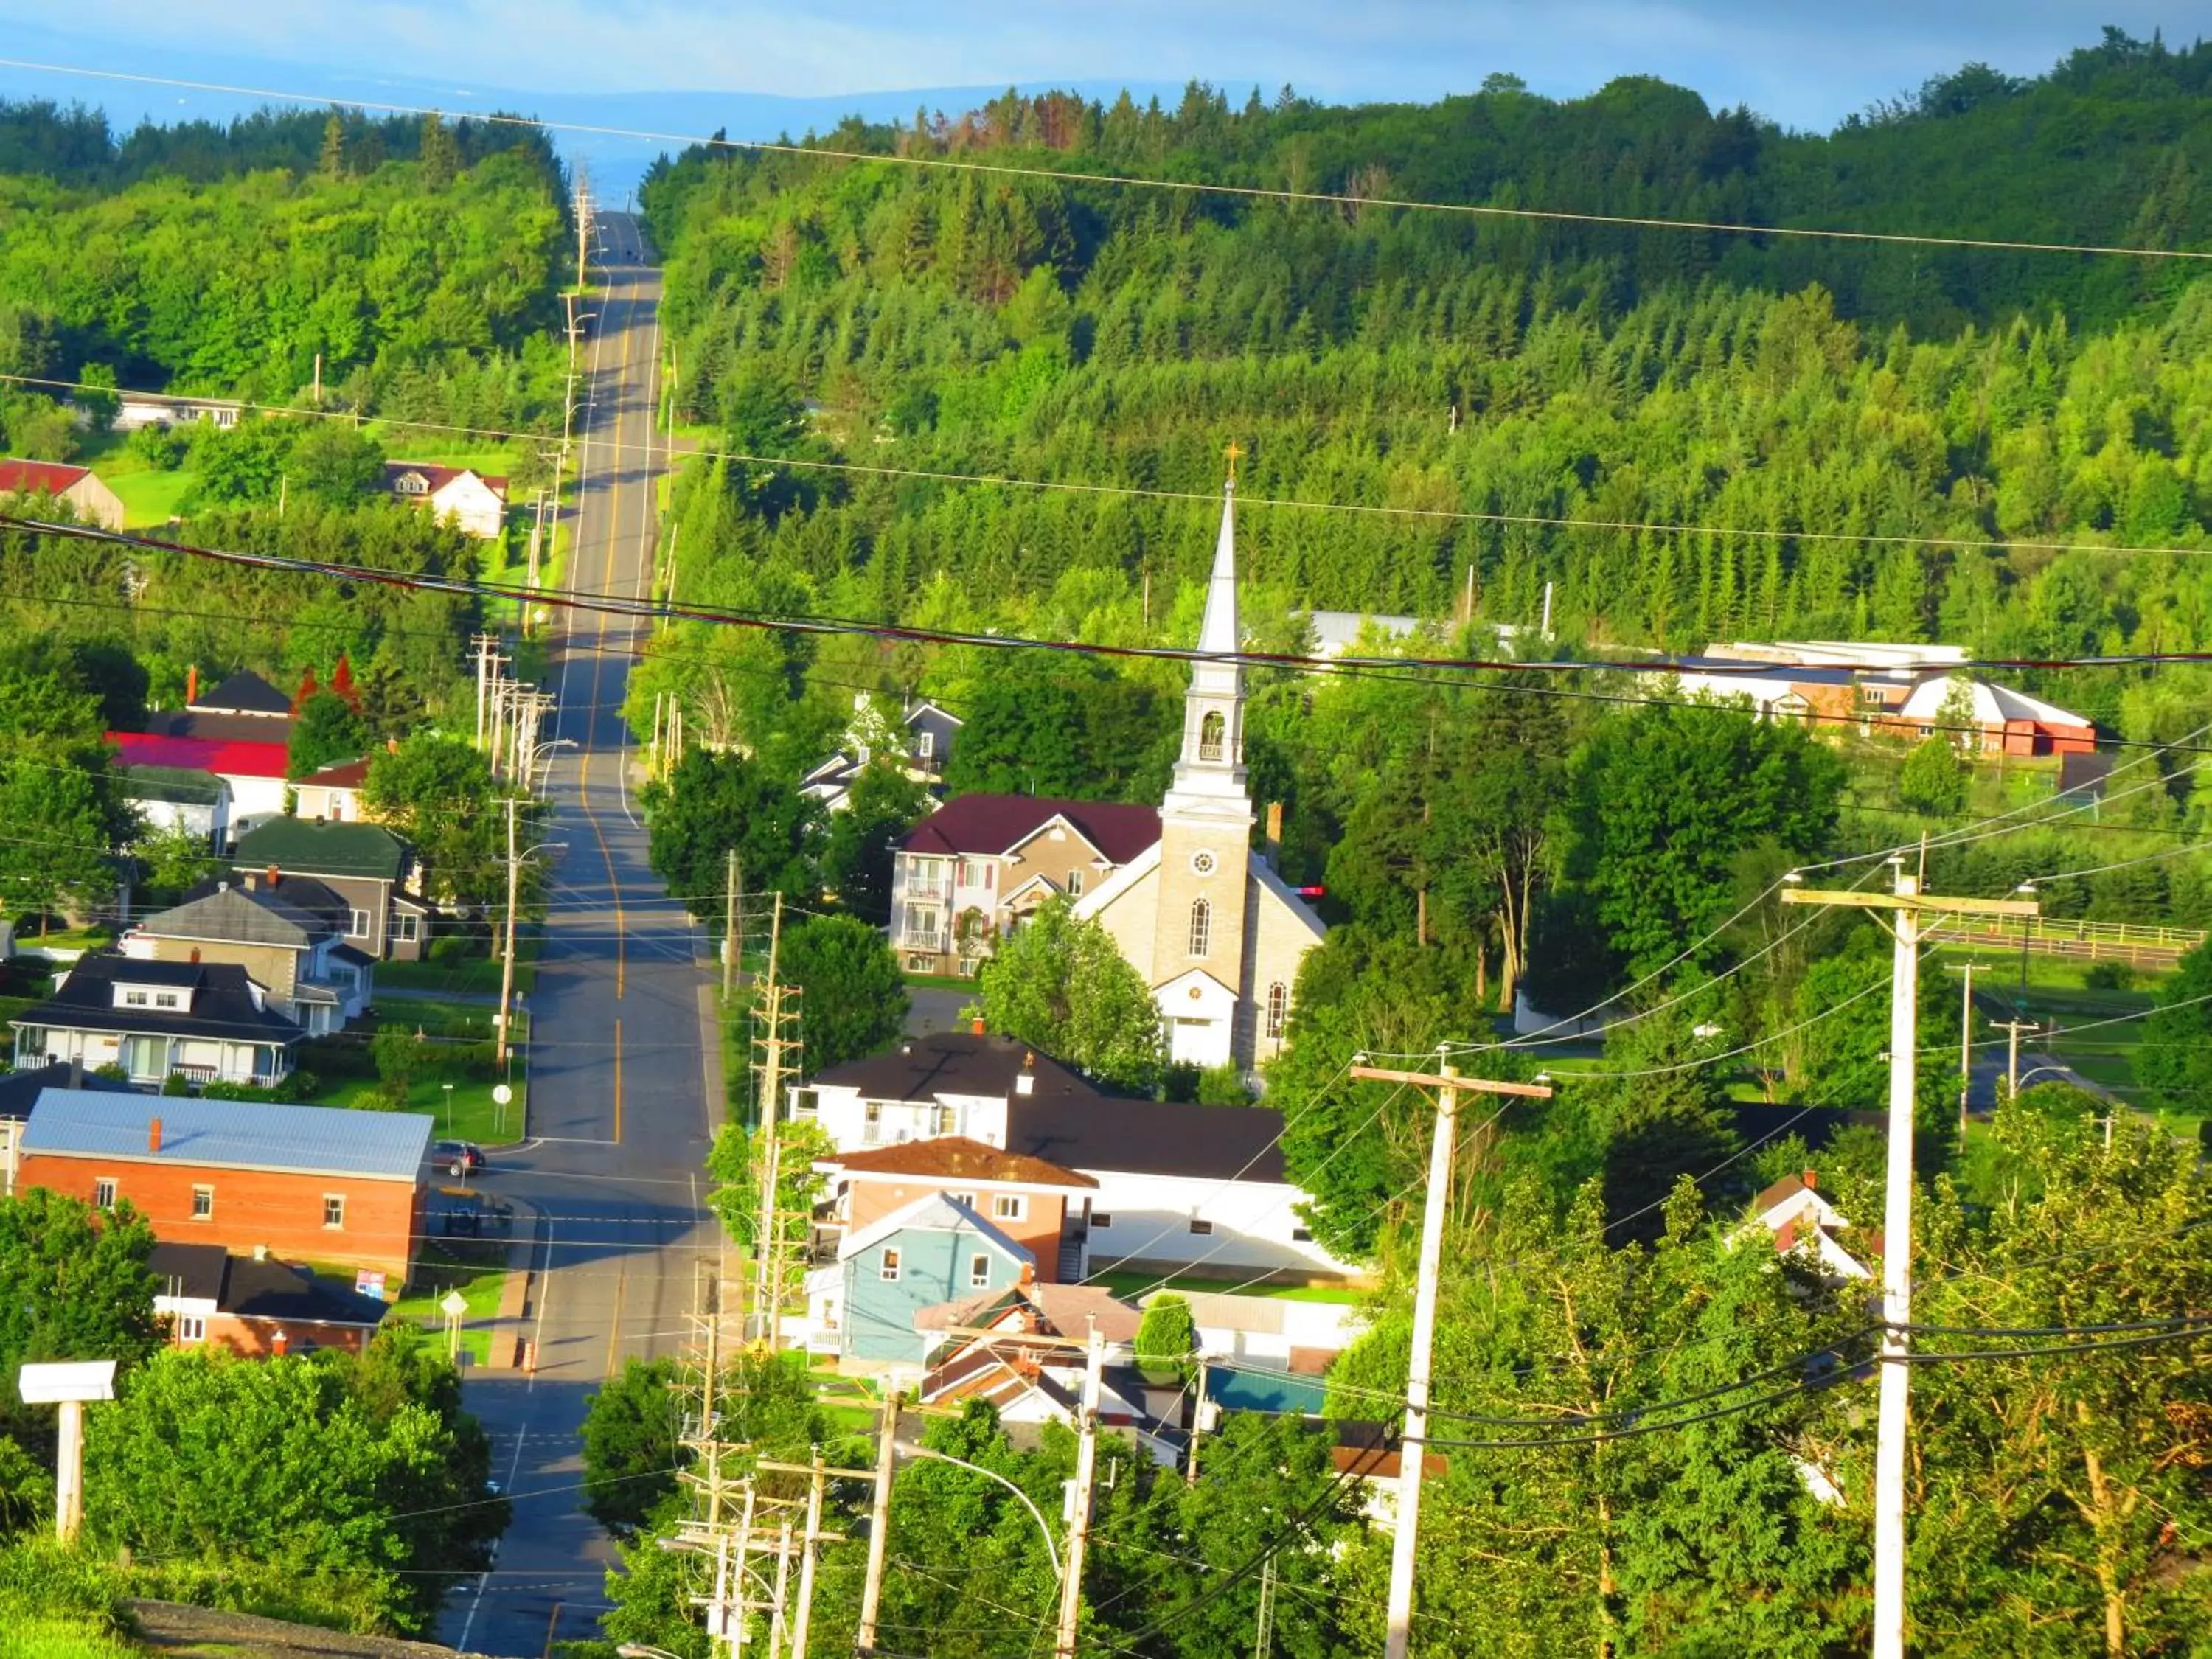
column 515, row 861
column 449, row 1108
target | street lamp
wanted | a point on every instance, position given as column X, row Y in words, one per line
column 536, row 754
column 515, row 861
column 449, row 1107
column 1051, row 1549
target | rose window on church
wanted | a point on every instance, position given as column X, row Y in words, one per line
column 1202, row 862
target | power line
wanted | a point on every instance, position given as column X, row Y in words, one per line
column 1187, row 187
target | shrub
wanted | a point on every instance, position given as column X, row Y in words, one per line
column 1167, row 1340
column 2108, row 976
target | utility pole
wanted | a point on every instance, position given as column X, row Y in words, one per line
column 1197, row 1428
column 732, row 941
column 1086, row 1477
column 536, row 536
column 1910, row 905
column 768, row 1235
column 2013, row 1027
column 818, row 1478
column 776, row 1619
column 1412, row 1444
column 879, row 1526
column 486, row 645
column 506, row 964
column 1263, row 1644
column 1966, row 1041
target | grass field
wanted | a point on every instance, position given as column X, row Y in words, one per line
column 480, row 1275
column 150, row 498
column 26, row 1634
column 477, row 975
column 469, row 1114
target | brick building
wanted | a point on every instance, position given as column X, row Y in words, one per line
column 314, row 1182
column 256, row 1306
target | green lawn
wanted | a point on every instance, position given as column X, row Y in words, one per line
column 479, row 1273
column 470, row 1114
column 945, row 982
column 27, row 936
column 150, row 498
column 476, row 973
column 27, row 1634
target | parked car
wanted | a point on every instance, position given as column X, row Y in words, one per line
column 456, row 1157
column 464, row 1212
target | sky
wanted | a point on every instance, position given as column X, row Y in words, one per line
column 1805, row 62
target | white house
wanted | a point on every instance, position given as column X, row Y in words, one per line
column 460, row 496
column 920, row 741
column 167, row 797
column 1185, row 1189
column 1797, row 1216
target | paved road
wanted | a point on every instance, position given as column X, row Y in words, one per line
column 621, row 1082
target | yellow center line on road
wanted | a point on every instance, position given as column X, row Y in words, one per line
column 618, row 1083
column 599, row 659
column 614, row 1325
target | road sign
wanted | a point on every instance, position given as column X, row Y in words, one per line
column 455, row 1304
column 79, row 1380
column 500, row 1094
column 369, row 1282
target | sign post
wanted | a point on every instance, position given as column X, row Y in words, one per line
column 68, row 1385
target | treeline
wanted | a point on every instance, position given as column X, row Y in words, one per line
column 426, row 286
column 1399, row 363
column 78, row 147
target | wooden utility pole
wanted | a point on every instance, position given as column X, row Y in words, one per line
column 1086, row 1478
column 2012, row 1028
column 818, row 1478
column 1197, row 1428
column 506, row 963
column 1412, row 1444
column 767, row 1241
column 1966, row 1041
column 732, row 939
column 1910, row 905
column 1263, row 1640
column 879, row 1526
column 775, row 1619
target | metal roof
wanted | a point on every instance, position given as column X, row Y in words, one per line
column 295, row 845
column 237, row 1135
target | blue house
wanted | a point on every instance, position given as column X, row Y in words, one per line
column 934, row 1250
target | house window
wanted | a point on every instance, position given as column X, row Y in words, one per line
column 333, row 1210
column 191, row 1328
column 969, row 1199
column 1075, row 884
column 203, row 1203
column 360, row 928
column 134, row 999
column 805, row 1103
column 407, row 927
column 1010, row 1207
column 890, row 1269
column 871, row 1122
column 103, row 1192
column 941, row 1118
column 1103, row 1218
column 1279, row 1004
column 1202, row 1228
column 1211, row 731
column 925, row 745
column 165, row 999
column 979, row 1272
column 1201, row 926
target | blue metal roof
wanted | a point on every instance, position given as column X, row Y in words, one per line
column 239, row 1134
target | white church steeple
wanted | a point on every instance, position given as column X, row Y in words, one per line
column 1210, row 772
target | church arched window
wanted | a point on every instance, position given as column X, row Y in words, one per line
column 1278, row 1006
column 1201, row 927
column 1211, row 733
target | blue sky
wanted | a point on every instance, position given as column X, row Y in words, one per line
column 1805, row 63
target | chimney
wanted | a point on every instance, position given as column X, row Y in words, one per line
column 1025, row 1079
column 269, row 875
column 1812, row 1179
column 977, row 1025
column 1029, row 1272
column 196, row 953
column 261, row 1252
column 153, row 1134
column 192, row 685
column 1274, row 833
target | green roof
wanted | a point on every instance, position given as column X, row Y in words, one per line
column 301, row 848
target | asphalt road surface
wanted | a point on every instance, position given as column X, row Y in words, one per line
column 623, row 1078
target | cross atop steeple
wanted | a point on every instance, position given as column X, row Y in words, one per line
column 1235, row 454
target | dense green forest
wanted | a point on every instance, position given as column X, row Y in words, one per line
column 421, row 262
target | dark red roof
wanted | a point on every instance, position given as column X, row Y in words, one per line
column 38, row 477
column 236, row 760
column 439, row 476
column 346, row 774
column 994, row 823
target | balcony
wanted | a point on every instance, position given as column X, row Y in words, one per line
column 931, row 943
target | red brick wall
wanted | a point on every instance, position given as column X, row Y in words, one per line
column 251, row 1207
column 252, row 1337
column 1039, row 1235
